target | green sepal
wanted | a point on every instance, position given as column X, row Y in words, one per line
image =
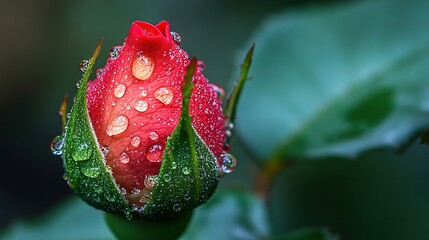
column 189, row 172
column 231, row 104
column 86, row 170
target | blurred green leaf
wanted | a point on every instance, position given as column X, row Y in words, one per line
column 71, row 220
column 310, row 233
column 229, row 214
column 338, row 80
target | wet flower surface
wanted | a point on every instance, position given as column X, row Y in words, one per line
column 135, row 104
column 158, row 126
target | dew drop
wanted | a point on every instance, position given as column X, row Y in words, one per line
column 57, row 145
column 118, row 125
column 98, row 189
column 120, row 90
column 83, row 65
column 82, row 152
column 167, row 177
column 173, row 165
column 219, row 91
column 164, row 95
column 105, row 150
column 153, row 136
column 135, row 141
column 154, row 153
column 144, row 93
column 115, row 52
column 135, row 191
column 143, row 66
column 110, row 197
column 150, row 181
column 185, row 170
column 176, row 37
column 201, row 65
column 124, row 158
column 93, row 172
column 141, row 106
column 128, row 215
column 229, row 128
column 99, row 72
column 228, row 163
column 187, row 196
column 177, row 207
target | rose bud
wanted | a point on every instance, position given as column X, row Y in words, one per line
column 148, row 136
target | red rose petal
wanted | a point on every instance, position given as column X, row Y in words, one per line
column 135, row 104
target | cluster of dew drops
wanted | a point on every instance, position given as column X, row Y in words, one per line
column 142, row 69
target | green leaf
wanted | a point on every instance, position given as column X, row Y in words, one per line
column 229, row 214
column 338, row 80
column 189, row 172
column 86, row 170
column 70, row 220
column 310, row 233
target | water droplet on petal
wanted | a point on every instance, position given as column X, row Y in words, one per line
column 93, row 172
column 57, row 145
column 150, row 181
column 185, row 170
column 219, row 91
column 153, row 136
column 120, row 90
column 99, row 72
column 167, row 177
column 115, row 52
column 141, row 105
column 143, row 66
column 84, row 65
column 154, row 153
column 124, row 158
column 144, row 93
column 82, row 153
column 118, row 125
column 201, row 65
column 228, row 163
column 135, row 141
column 105, row 150
column 164, row 95
column 176, row 37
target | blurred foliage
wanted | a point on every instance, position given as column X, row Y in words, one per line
column 353, row 72
column 242, row 216
column 338, row 81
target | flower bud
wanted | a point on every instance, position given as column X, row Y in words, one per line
column 147, row 136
